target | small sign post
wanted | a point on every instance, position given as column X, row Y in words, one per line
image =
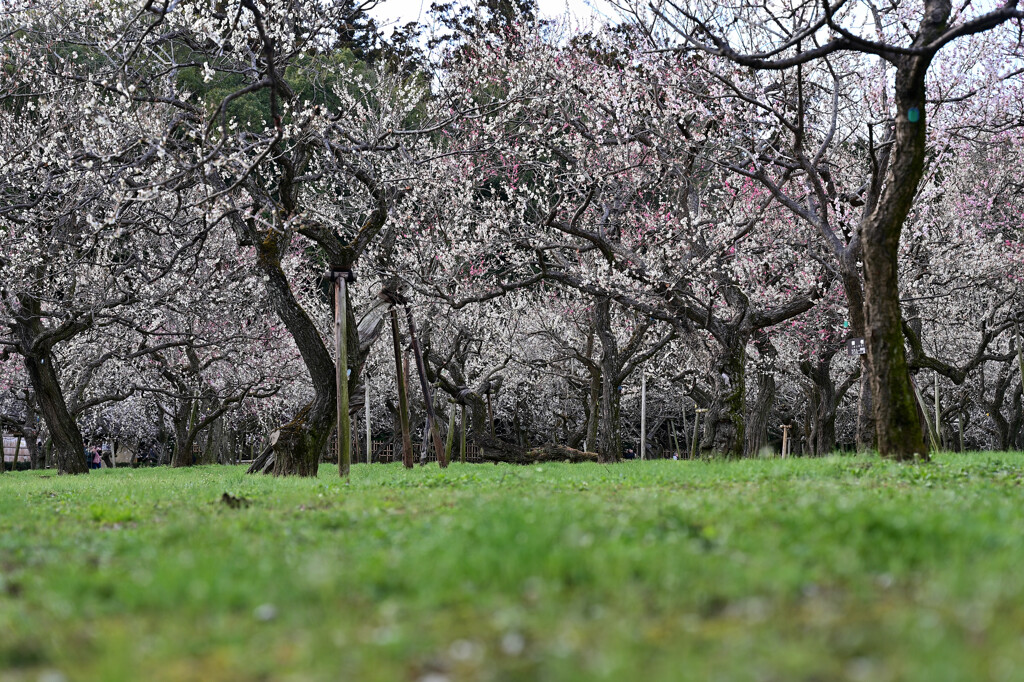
column 785, row 440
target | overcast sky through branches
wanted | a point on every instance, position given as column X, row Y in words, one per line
column 400, row 12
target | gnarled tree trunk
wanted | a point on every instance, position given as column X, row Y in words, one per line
column 725, row 426
column 68, row 454
column 301, row 442
column 760, row 411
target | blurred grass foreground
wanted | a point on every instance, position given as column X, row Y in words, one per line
column 843, row 568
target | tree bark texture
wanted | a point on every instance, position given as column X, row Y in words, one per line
column 68, row 453
column 401, row 375
column 898, row 426
column 65, row 436
column 760, row 412
column 301, row 443
column 725, row 425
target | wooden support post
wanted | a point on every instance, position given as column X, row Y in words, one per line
column 643, row 414
column 425, row 441
column 924, row 412
column 450, row 438
column 369, row 436
column 785, row 440
column 403, row 396
column 686, row 428
column 961, row 420
column 341, row 372
column 490, row 413
column 435, row 432
column 696, row 424
column 938, row 414
column 356, row 452
column 462, row 434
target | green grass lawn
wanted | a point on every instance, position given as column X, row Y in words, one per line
column 831, row 569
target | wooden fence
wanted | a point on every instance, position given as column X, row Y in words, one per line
column 387, row 451
column 392, row 452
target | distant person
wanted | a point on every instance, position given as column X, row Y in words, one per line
column 97, row 457
column 147, row 454
column 629, row 454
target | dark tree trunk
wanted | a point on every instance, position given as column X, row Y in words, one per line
column 184, row 417
column 594, row 411
column 760, row 411
column 402, row 382
column 866, row 433
column 301, row 442
column 825, row 432
column 31, row 431
column 822, row 404
column 433, row 430
column 994, row 408
column 1016, row 421
column 68, row 454
column 900, row 435
column 66, row 439
column 867, row 427
column 495, row 450
column 214, row 442
column 304, row 440
column 725, row 425
column 609, row 446
column 478, row 429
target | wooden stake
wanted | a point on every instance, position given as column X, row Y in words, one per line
column 938, row 414
column 462, row 435
column 341, row 374
column 696, row 423
column 785, row 440
column 369, row 437
column 490, row 413
column 686, row 428
column 435, row 433
column 356, row 452
column 643, row 414
column 924, row 412
column 403, row 397
column 450, row 439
